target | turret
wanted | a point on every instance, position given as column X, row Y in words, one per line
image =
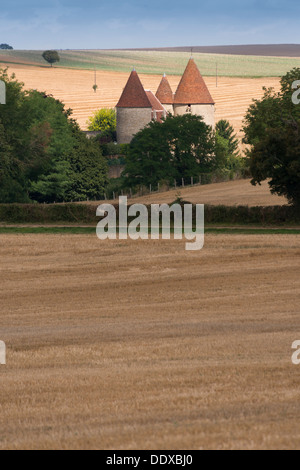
column 192, row 95
column 134, row 110
column 165, row 94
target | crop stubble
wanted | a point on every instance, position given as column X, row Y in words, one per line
column 141, row 345
column 74, row 87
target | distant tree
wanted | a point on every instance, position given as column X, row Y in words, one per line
column 103, row 120
column 6, row 46
column 51, row 57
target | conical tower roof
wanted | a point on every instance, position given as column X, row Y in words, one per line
column 164, row 92
column 134, row 95
column 192, row 88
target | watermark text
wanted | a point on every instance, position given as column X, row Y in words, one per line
column 156, row 224
column 296, row 354
column 2, row 92
column 296, row 94
column 2, row 353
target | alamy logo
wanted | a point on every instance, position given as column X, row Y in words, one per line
column 158, row 225
column 296, row 355
column 2, row 92
column 296, row 94
column 2, row 353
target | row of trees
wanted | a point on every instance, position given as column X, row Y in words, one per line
column 180, row 147
column 44, row 156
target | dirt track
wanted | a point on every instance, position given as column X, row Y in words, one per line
column 142, row 345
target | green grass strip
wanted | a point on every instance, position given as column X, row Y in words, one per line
column 92, row 230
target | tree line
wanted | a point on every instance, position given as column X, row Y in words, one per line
column 44, row 156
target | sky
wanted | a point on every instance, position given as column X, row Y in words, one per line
column 98, row 24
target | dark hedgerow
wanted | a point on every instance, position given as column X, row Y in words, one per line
column 86, row 214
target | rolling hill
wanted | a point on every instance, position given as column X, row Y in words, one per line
column 171, row 62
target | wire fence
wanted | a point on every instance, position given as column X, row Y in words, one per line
column 163, row 186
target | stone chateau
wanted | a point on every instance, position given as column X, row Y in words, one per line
column 137, row 106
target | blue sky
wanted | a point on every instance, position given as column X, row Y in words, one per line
column 91, row 24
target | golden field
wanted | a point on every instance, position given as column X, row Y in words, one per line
column 228, row 193
column 74, row 87
column 142, row 345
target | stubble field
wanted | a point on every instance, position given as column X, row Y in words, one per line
column 74, row 87
column 142, row 345
column 229, row 193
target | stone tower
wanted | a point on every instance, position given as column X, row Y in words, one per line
column 134, row 110
column 165, row 95
column 192, row 95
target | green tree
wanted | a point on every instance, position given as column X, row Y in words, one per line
column 148, row 158
column 227, row 153
column 103, row 120
column 53, row 186
column 12, row 178
column 11, row 175
column 180, row 146
column 51, row 57
column 226, row 131
column 271, row 130
column 261, row 115
column 88, row 171
column 6, row 46
column 277, row 157
column 39, row 141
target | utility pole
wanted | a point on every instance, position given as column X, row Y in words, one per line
column 95, row 86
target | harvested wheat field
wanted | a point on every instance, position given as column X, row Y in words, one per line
column 142, row 345
column 229, row 193
column 74, row 87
